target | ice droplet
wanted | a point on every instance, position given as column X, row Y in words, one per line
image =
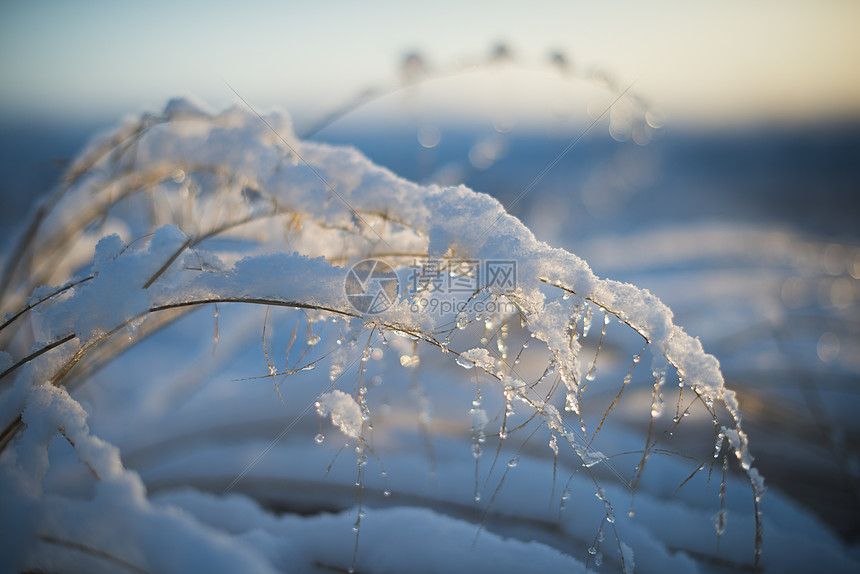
column 313, row 339
column 513, row 462
column 465, row 363
column 718, row 444
column 586, row 322
column 719, row 520
column 386, row 493
column 319, row 439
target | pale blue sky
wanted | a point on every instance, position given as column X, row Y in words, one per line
column 725, row 60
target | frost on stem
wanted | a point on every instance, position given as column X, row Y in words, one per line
column 238, row 210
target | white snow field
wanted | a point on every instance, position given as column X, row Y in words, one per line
column 199, row 374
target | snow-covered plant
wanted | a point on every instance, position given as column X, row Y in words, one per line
column 190, row 210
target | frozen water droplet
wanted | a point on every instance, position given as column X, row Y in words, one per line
column 718, row 444
column 719, row 520
column 386, row 493
column 319, row 439
column 477, row 497
column 310, row 367
column 610, row 513
column 513, row 462
column 592, row 550
column 465, row 363
column 586, row 322
column 313, row 339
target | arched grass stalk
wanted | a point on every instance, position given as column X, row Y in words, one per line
column 258, row 228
